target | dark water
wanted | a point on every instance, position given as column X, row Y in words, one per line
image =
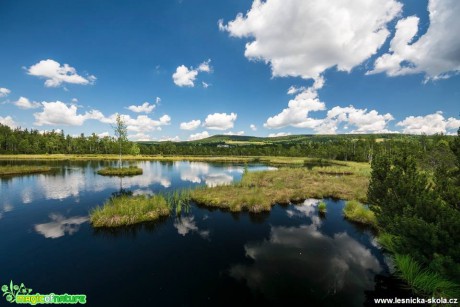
column 204, row 257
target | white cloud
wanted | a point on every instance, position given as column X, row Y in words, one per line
column 191, row 125
column 429, row 124
column 74, row 100
column 144, row 123
column 296, row 114
column 220, row 121
column 253, row 127
column 234, row 133
column 436, row 53
column 140, row 136
column 157, row 100
column 205, row 85
column 185, row 76
column 143, row 108
column 8, row 121
column 294, row 90
column 304, row 38
column 58, row 113
column 4, row 92
column 24, row 103
column 274, row 135
column 56, row 74
column 103, row 134
column 198, row 136
column 60, row 226
column 170, row 139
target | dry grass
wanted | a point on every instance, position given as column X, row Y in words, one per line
column 123, row 171
column 258, row 191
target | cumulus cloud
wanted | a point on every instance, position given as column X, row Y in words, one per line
column 253, row 127
column 429, row 124
column 198, row 136
column 103, row 134
column 220, row 121
column 58, row 113
column 8, row 121
column 304, row 38
column 296, row 114
column 170, row 139
column 274, row 135
column 143, row 108
column 436, row 53
column 24, row 103
column 4, row 92
column 140, row 136
column 191, row 125
column 56, row 74
column 185, row 76
column 234, row 133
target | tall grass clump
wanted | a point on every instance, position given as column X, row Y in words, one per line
column 127, row 210
column 178, row 200
column 424, row 281
column 122, row 171
column 357, row 212
column 322, row 207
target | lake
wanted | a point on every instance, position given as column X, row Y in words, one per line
column 203, row 257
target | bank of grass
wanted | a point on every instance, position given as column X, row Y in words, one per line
column 357, row 212
column 11, row 170
column 424, row 281
column 259, row 191
column 120, row 171
column 128, row 210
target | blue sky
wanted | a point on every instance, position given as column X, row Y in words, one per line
column 187, row 69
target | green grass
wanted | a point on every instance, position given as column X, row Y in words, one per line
column 128, row 210
column 124, row 171
column 357, row 212
column 424, row 281
column 11, row 170
column 322, row 207
column 259, row 191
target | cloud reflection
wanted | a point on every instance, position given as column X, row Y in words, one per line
column 60, row 226
column 187, row 224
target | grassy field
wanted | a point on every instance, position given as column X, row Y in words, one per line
column 123, row 171
column 11, row 170
column 128, row 210
column 259, row 191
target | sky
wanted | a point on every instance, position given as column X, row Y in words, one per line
column 187, row 69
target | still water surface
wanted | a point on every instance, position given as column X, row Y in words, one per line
column 203, row 257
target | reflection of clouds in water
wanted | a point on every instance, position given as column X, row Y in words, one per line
column 187, row 224
column 60, row 187
column 26, row 195
column 213, row 180
column 152, row 174
column 143, row 192
column 306, row 209
column 60, row 225
column 192, row 171
column 330, row 263
column 6, row 208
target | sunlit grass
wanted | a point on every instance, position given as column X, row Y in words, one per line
column 258, row 191
column 127, row 210
column 424, row 281
column 122, row 171
column 357, row 212
column 322, row 208
column 11, row 170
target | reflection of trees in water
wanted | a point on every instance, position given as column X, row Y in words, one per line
column 387, row 287
column 130, row 230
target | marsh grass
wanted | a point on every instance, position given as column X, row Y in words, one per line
column 123, row 171
column 11, row 170
column 259, row 191
column 424, row 281
column 357, row 212
column 178, row 201
column 322, row 208
column 128, row 210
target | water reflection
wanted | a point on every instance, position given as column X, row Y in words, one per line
column 60, row 226
column 187, row 224
column 304, row 262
